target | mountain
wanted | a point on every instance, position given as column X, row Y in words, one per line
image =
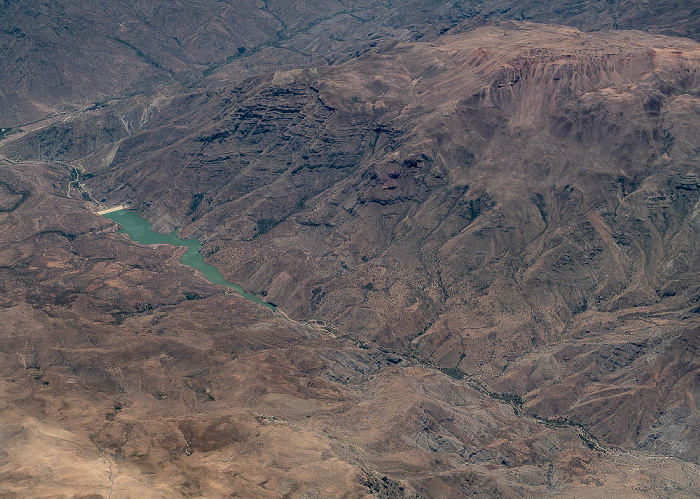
column 62, row 57
column 471, row 205
column 481, row 232
column 126, row 374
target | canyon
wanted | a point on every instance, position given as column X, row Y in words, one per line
column 481, row 232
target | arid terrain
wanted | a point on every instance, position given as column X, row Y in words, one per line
column 51, row 65
column 126, row 375
column 482, row 233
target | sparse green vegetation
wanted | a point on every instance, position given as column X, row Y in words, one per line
column 6, row 132
column 453, row 372
column 194, row 204
column 265, row 224
column 23, row 195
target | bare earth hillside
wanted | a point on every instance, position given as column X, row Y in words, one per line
column 60, row 56
column 482, row 237
column 125, row 374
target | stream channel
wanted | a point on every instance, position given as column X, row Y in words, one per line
column 140, row 231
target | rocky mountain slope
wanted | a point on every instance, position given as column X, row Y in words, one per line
column 525, row 213
column 61, row 56
column 485, row 234
column 125, row 374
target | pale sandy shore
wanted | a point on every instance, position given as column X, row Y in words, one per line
column 110, row 210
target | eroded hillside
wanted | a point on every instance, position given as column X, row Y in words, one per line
column 125, row 374
column 64, row 56
column 483, row 239
column 518, row 203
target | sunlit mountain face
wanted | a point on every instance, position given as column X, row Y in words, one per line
column 349, row 249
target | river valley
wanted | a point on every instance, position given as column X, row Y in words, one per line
column 140, row 231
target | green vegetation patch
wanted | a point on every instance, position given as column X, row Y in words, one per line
column 6, row 132
column 23, row 195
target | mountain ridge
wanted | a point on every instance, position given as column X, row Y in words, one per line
column 460, row 185
column 486, row 231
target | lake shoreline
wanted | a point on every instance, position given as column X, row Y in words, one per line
column 140, row 231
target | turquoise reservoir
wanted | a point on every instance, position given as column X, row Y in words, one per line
column 140, row 231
